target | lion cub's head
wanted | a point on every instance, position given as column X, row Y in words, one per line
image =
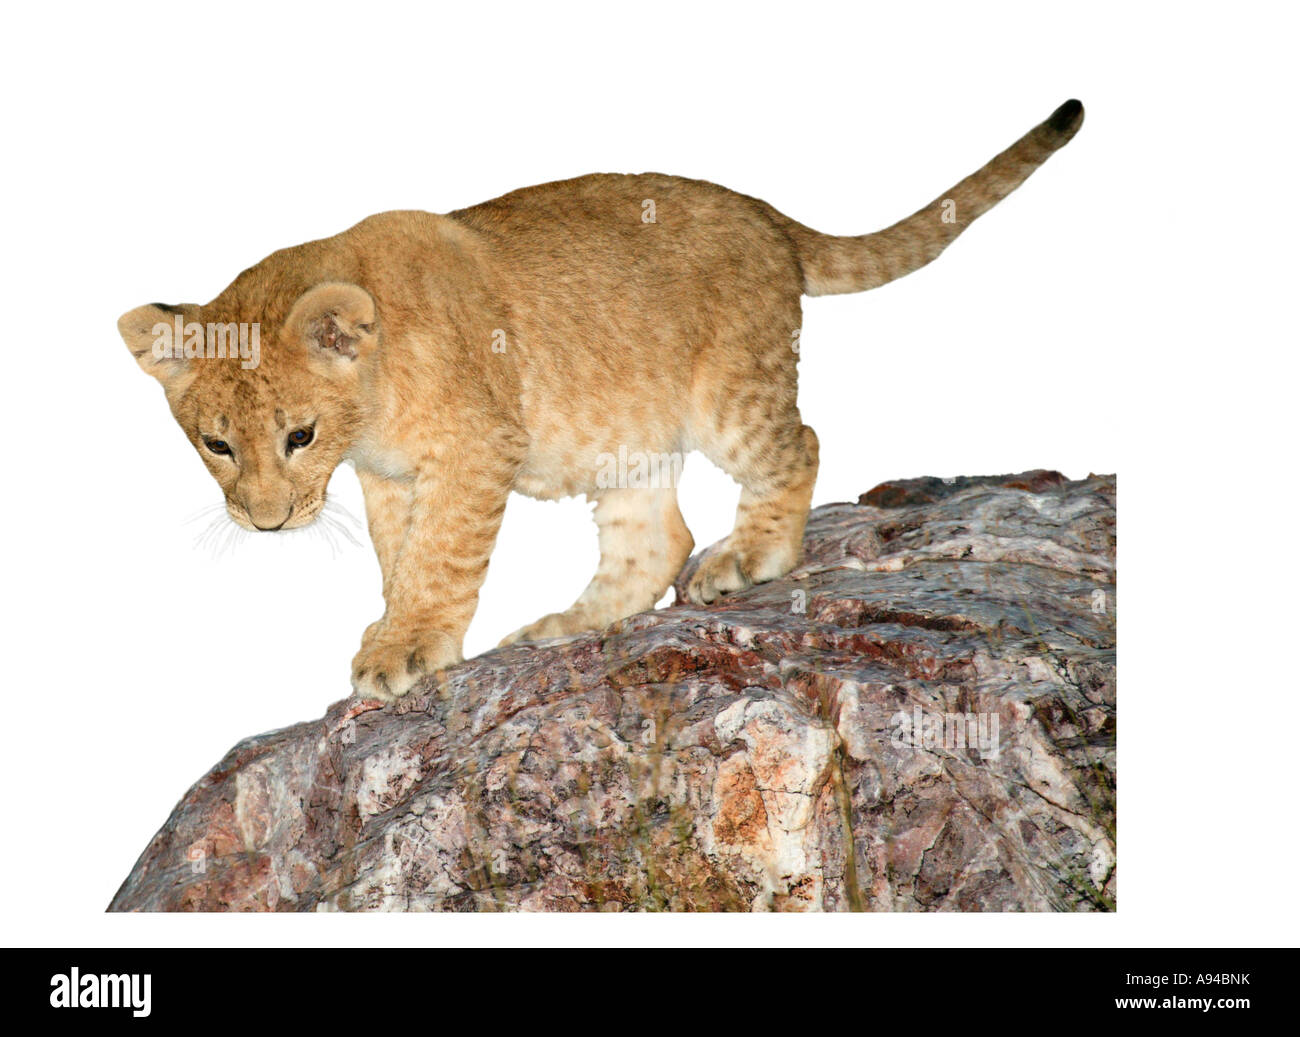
column 267, row 394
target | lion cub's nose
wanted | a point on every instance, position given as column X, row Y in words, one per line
column 263, row 517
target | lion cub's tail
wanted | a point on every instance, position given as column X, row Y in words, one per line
column 854, row 264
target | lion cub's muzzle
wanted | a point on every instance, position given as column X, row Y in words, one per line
column 261, row 515
column 269, row 517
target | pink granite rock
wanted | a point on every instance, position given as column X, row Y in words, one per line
column 921, row 717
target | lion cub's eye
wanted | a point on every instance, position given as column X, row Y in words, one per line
column 218, row 446
column 300, row 438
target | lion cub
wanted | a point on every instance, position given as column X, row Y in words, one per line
column 517, row 345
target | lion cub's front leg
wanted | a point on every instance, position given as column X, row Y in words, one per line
column 434, row 535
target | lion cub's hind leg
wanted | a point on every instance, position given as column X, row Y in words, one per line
column 776, row 466
column 643, row 544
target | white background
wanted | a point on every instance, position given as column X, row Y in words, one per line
column 1122, row 312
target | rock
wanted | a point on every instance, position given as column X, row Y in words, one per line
column 921, row 717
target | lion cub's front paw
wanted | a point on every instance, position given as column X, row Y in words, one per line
column 392, row 661
column 718, row 574
column 557, row 624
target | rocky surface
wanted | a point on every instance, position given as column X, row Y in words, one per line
column 786, row 749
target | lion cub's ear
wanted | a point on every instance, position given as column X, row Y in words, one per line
column 337, row 321
column 152, row 334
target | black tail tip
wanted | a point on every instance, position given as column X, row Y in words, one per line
column 1067, row 117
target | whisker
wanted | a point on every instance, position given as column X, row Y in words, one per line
column 324, row 532
column 339, row 512
column 221, row 535
column 208, row 535
column 205, row 512
column 235, row 535
column 329, row 522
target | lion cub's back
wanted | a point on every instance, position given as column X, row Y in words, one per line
column 630, row 277
column 621, row 291
column 636, row 250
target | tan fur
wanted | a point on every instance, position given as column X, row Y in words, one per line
column 510, row 346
